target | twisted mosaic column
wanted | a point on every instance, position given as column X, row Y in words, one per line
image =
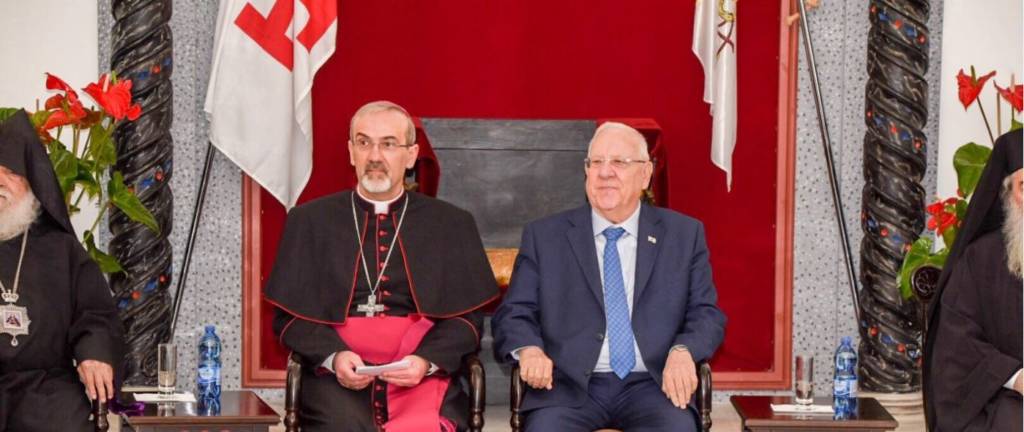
column 142, row 52
column 892, row 216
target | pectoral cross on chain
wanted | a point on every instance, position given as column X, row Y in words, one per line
column 370, row 308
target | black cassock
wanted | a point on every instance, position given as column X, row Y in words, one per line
column 72, row 317
column 978, row 343
column 438, row 269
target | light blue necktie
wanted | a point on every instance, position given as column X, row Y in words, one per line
column 616, row 308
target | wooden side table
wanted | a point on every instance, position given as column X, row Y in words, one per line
column 756, row 414
column 240, row 411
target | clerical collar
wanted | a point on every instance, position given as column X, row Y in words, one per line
column 379, row 207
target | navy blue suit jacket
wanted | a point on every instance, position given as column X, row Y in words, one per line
column 555, row 300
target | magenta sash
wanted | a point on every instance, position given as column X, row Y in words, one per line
column 380, row 340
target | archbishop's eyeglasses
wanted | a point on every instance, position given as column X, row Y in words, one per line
column 364, row 144
column 616, row 163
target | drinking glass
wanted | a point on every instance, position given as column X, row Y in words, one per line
column 166, row 367
column 804, row 380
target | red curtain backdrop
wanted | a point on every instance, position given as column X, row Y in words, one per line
column 542, row 59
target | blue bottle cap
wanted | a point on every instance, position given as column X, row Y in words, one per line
column 847, row 340
column 210, row 328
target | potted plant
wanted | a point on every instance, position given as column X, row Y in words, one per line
column 923, row 261
column 85, row 165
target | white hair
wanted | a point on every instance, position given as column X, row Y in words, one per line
column 18, row 216
column 383, row 105
column 633, row 134
column 1013, row 227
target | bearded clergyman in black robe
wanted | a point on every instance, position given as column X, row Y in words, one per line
column 379, row 275
column 972, row 362
column 56, row 309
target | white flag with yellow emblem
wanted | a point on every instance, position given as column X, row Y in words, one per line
column 714, row 44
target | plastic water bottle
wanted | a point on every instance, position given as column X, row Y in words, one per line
column 844, row 393
column 208, row 374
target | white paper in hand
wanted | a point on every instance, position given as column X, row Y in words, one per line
column 377, row 370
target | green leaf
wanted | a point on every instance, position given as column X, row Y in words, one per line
column 6, row 113
column 88, row 183
column 1014, row 125
column 949, row 236
column 917, row 256
column 39, row 118
column 127, row 202
column 65, row 165
column 101, row 147
column 108, row 264
column 969, row 161
column 961, row 209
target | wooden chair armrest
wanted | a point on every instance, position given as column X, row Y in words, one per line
column 477, row 391
column 704, row 388
column 291, row 394
column 99, row 416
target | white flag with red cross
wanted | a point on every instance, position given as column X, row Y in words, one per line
column 258, row 102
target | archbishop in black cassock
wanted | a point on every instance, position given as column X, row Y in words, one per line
column 439, row 270
column 58, row 309
column 430, row 262
column 972, row 360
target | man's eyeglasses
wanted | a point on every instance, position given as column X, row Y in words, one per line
column 616, row 163
column 385, row 145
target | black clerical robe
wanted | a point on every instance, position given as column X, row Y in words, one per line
column 437, row 268
column 977, row 347
column 73, row 317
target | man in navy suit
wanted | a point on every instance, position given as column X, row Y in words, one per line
column 611, row 304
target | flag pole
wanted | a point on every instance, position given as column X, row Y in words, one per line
column 197, row 214
column 826, row 143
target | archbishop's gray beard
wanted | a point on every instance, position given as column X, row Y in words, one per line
column 1013, row 229
column 375, row 185
column 17, row 217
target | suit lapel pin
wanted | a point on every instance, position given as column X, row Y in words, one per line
column 652, row 239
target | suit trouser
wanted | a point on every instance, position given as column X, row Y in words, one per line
column 633, row 404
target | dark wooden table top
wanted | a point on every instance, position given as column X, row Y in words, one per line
column 756, row 412
column 236, row 407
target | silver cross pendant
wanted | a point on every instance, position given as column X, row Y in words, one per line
column 370, row 308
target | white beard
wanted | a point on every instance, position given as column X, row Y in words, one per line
column 375, row 186
column 16, row 218
column 1013, row 229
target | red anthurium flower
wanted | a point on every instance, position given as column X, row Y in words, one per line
column 69, row 109
column 54, row 102
column 114, row 97
column 1014, row 96
column 935, row 208
column 970, row 86
column 54, row 83
column 947, row 221
column 65, row 111
column 59, row 118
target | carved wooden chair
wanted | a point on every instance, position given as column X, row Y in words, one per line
column 703, row 398
column 471, row 364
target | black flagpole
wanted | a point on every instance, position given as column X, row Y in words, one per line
column 197, row 214
column 826, row 143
